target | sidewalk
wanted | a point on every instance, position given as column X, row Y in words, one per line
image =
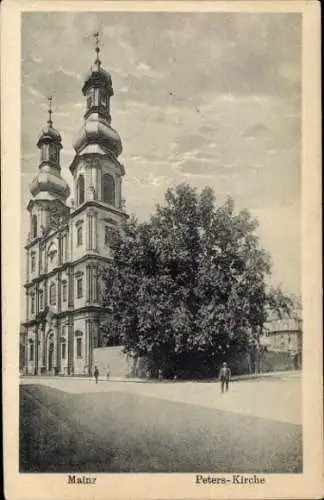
column 235, row 378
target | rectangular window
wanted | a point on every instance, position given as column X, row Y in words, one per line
column 79, row 288
column 33, row 262
column 79, row 236
column 63, row 350
column 52, row 293
column 64, row 291
column 79, row 348
column 32, row 307
column 107, row 235
column 41, row 300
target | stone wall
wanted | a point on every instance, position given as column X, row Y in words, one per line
column 119, row 364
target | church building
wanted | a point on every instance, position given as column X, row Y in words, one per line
column 69, row 243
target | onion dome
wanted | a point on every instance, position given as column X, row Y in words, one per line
column 49, row 134
column 49, row 184
column 97, row 77
column 96, row 130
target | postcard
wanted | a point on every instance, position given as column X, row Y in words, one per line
column 161, row 250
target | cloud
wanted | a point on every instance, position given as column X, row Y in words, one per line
column 200, row 167
column 34, row 92
column 144, row 70
column 204, row 98
column 256, row 130
column 80, row 104
column 67, row 73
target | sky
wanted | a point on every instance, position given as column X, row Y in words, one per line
column 203, row 98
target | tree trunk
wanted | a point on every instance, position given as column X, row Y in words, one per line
column 249, row 360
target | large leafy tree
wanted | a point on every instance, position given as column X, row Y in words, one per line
column 188, row 288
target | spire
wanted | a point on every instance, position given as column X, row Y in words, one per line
column 49, row 134
column 49, row 121
column 98, row 90
column 97, row 49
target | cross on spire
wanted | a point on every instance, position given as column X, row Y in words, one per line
column 50, row 100
column 96, row 37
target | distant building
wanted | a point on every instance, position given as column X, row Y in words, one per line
column 67, row 245
column 284, row 336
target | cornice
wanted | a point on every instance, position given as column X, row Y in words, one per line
column 66, row 267
column 100, row 205
column 44, row 238
column 79, row 156
column 69, row 313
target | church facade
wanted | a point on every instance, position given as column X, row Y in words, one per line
column 69, row 243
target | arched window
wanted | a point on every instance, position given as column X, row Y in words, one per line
column 44, row 154
column 79, row 347
column 53, row 153
column 90, row 98
column 80, row 189
column 78, row 335
column 103, row 98
column 31, row 350
column 79, row 236
column 79, row 287
column 52, row 293
column 34, row 226
column 52, row 251
column 108, row 189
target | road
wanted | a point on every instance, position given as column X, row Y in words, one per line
column 277, row 398
column 118, row 426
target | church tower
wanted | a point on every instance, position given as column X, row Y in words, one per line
column 68, row 246
column 45, row 249
column 98, row 212
column 96, row 171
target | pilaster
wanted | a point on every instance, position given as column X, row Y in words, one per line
column 59, row 291
column 58, row 348
column 43, row 362
column 27, row 265
column 88, row 283
column 70, row 275
column 91, row 342
column 27, row 305
column 37, row 353
column 89, row 231
column 70, row 347
column 87, row 338
column 26, row 352
column 95, row 231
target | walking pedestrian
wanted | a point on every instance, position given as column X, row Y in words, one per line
column 108, row 372
column 96, row 374
column 224, row 376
